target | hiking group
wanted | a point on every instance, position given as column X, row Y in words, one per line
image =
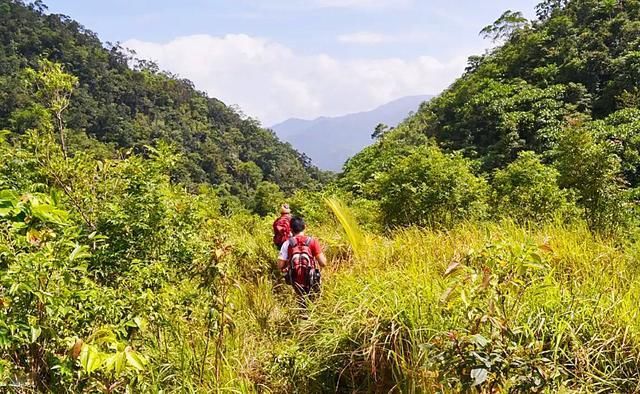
column 300, row 256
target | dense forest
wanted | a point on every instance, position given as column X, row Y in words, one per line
column 549, row 117
column 489, row 243
column 121, row 103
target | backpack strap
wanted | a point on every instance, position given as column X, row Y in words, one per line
column 292, row 244
column 307, row 243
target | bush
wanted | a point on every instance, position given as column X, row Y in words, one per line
column 429, row 187
column 528, row 190
column 267, row 199
column 589, row 166
column 310, row 206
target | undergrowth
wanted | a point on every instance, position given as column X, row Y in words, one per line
column 114, row 280
column 490, row 307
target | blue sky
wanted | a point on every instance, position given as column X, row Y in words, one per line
column 300, row 58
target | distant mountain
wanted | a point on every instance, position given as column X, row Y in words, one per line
column 330, row 141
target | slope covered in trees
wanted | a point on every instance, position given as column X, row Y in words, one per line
column 116, row 105
column 511, row 264
column 565, row 87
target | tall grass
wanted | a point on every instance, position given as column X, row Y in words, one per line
column 356, row 239
column 489, row 307
column 547, row 308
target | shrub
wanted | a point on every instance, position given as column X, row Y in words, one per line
column 267, row 198
column 528, row 190
column 429, row 187
column 588, row 165
column 310, row 205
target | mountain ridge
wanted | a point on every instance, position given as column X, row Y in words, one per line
column 316, row 137
column 122, row 102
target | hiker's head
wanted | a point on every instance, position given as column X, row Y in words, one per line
column 297, row 225
column 284, row 209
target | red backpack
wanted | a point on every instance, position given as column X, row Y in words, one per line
column 281, row 230
column 302, row 273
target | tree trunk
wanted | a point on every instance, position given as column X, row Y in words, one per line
column 60, row 125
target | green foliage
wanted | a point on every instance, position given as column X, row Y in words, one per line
column 360, row 172
column 310, row 206
column 621, row 131
column 268, row 199
column 141, row 270
column 492, row 308
column 429, row 187
column 508, row 23
column 53, row 89
column 117, row 279
column 43, row 284
column 379, row 132
column 528, row 191
column 92, row 256
column 574, row 69
column 591, row 169
column 115, row 105
column 513, row 116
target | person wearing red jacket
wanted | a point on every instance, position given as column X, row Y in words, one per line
column 300, row 259
column 282, row 226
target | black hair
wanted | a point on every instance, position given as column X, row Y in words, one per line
column 297, row 225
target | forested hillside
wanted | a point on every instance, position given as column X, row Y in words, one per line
column 564, row 87
column 487, row 244
column 115, row 105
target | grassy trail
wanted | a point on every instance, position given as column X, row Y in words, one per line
column 494, row 307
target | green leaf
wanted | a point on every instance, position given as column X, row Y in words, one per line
column 103, row 335
column 80, row 252
column 140, row 322
column 90, row 358
column 35, row 333
column 536, row 257
column 4, row 134
column 464, row 298
column 479, row 340
column 130, row 323
column 116, row 363
column 9, row 195
column 48, row 213
column 135, row 359
column 121, row 362
column 8, row 201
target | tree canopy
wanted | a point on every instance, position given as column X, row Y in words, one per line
column 576, row 69
column 124, row 103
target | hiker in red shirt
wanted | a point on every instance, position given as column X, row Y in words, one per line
column 301, row 258
column 282, row 227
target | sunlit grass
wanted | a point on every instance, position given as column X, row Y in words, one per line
column 379, row 315
column 556, row 305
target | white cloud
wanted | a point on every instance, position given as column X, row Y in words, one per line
column 272, row 82
column 373, row 38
